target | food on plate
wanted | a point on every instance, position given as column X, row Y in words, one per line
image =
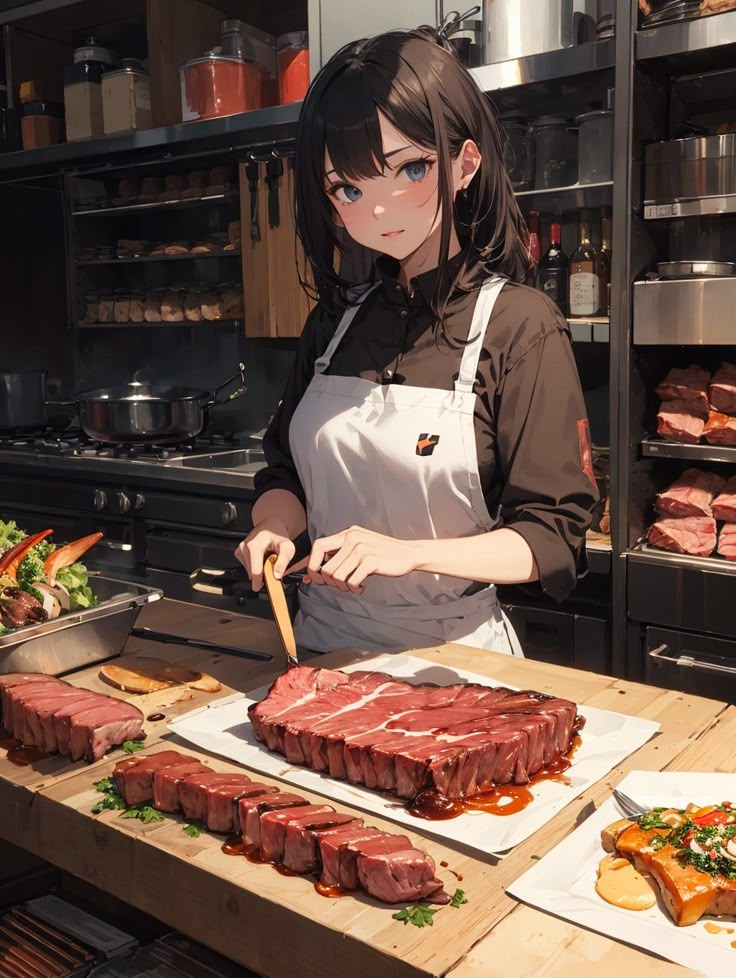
column 690, row 853
column 454, row 741
column 689, row 386
column 620, row 884
column 691, row 495
column 680, row 421
column 723, row 389
column 177, row 248
column 38, row 580
column 724, row 505
column 283, row 828
column 56, row 717
column 727, row 541
column 693, row 535
column 720, row 429
column 151, row 675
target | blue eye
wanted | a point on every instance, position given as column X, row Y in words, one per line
column 417, row 170
column 347, row 193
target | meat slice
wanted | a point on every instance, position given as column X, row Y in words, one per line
column 166, row 784
column 256, row 789
column 691, row 495
column 720, row 429
column 724, row 505
column 252, row 809
column 15, row 699
column 338, row 853
column 47, row 718
column 402, row 876
column 36, row 720
column 133, row 776
column 678, row 421
column 193, row 792
column 220, row 803
column 95, row 731
column 273, row 828
column 301, row 849
column 694, row 535
column 689, row 385
column 11, row 679
column 63, row 719
column 727, row 541
column 292, row 687
column 723, row 389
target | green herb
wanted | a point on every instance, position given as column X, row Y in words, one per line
column 419, row 915
column 131, row 746
column 106, row 784
column 145, row 813
column 535, row 857
column 652, row 820
column 458, row 898
column 111, row 800
column 194, row 829
column 658, row 842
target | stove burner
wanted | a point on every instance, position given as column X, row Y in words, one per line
column 74, row 443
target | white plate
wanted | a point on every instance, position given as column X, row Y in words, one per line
column 607, row 738
column 563, row 882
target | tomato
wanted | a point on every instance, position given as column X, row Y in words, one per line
column 715, row 818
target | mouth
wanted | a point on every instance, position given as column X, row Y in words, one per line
column 392, row 234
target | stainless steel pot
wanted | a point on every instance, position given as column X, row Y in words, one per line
column 141, row 413
column 515, row 29
column 22, row 400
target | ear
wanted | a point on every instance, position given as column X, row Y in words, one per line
column 466, row 165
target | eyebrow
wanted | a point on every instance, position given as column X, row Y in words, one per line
column 385, row 155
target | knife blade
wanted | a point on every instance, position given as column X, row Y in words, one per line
column 274, row 172
column 251, row 173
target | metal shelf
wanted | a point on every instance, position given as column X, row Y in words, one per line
column 162, row 325
column 592, row 329
column 717, row 565
column 158, row 258
column 570, row 198
column 687, row 37
column 661, row 448
column 159, row 205
column 693, row 207
column 582, row 58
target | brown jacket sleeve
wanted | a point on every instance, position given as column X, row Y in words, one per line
column 547, row 497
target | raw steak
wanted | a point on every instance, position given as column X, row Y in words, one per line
column 691, row 495
column 689, row 385
column 727, row 541
column 678, row 421
column 724, row 505
column 723, row 389
column 694, row 535
column 720, row 429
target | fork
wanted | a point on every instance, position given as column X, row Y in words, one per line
column 630, row 808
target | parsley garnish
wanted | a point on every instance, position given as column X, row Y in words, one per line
column 131, row 746
column 658, row 842
column 194, row 829
column 418, row 914
column 143, row 812
column 458, row 898
column 111, row 800
column 652, row 820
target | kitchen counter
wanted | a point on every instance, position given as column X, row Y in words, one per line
column 279, row 926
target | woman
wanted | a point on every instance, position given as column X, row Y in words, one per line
column 432, row 438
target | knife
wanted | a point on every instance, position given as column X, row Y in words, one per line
column 153, row 636
column 251, row 173
column 274, row 172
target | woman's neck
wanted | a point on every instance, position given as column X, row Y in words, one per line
column 427, row 256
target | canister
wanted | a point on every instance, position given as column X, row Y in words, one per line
column 519, row 151
column 292, row 58
column 126, row 98
column 595, row 146
column 556, row 153
column 83, row 90
column 216, row 85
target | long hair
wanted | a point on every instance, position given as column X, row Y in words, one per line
column 429, row 96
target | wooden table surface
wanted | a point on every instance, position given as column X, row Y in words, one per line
column 279, row 926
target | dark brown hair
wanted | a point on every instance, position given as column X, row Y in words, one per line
column 428, row 95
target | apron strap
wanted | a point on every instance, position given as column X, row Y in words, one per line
column 322, row 363
column 484, row 304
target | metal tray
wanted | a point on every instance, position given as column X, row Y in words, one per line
column 80, row 638
column 695, row 269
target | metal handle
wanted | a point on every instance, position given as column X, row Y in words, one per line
column 151, row 635
column 238, row 392
column 114, row 545
column 688, row 661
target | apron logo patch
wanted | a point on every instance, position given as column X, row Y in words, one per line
column 426, row 443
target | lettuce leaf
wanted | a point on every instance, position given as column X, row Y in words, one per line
column 75, row 580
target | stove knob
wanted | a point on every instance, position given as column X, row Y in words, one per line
column 140, row 501
column 229, row 513
column 123, row 502
column 100, row 500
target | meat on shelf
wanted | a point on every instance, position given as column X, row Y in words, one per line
column 695, row 405
column 688, row 512
column 283, row 828
column 404, row 739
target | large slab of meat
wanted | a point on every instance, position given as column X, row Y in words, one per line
column 723, row 389
column 720, row 429
column 680, row 421
column 724, row 505
column 727, row 541
column 284, row 828
column 369, row 729
column 694, row 535
column 691, row 495
column 56, row 717
column 689, row 386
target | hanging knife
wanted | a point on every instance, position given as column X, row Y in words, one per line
column 274, row 171
column 251, row 173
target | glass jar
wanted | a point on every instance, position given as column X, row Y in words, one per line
column 42, row 124
column 595, row 146
column 126, row 98
column 556, row 153
column 215, row 86
column 292, row 57
column 83, row 90
column 519, row 151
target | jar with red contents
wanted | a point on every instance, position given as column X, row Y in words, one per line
column 292, row 57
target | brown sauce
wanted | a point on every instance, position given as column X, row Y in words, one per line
column 717, row 929
column 330, row 891
column 284, row 870
column 156, row 716
column 458, row 876
column 253, row 854
column 444, row 864
column 234, row 846
column 23, row 756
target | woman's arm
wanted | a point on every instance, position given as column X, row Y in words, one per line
column 499, row 557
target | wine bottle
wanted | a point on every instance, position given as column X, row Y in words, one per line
column 585, row 286
column 604, row 258
column 554, row 269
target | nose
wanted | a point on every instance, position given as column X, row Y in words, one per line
column 378, row 211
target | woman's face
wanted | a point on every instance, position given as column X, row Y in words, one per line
column 395, row 212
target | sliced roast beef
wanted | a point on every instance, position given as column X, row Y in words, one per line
column 727, row 541
column 193, row 792
column 15, row 699
column 11, row 679
column 290, row 688
column 36, row 719
column 47, row 718
column 63, row 719
column 720, row 429
column 402, row 876
column 301, row 845
column 252, row 809
column 220, row 798
column 338, row 855
column 723, row 389
column 273, row 828
column 689, row 385
column 724, row 505
column 679, row 421
column 166, row 784
column 691, row 495
column 95, row 731
column 255, row 790
column 694, row 535
column 133, row 776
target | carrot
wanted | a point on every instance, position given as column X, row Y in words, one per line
column 68, row 555
column 12, row 559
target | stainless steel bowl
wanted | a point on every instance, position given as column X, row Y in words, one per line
column 696, row 269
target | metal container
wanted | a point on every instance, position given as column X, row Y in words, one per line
column 699, row 166
column 79, row 638
column 22, row 400
column 519, row 151
column 685, row 312
column 517, row 30
column 556, row 153
column 595, row 146
column 695, row 269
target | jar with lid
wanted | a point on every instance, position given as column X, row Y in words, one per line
column 519, row 151
column 215, row 85
column 556, row 153
column 42, row 124
column 292, row 57
column 83, row 90
column 595, row 141
column 126, row 98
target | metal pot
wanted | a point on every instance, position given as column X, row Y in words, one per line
column 22, row 400
column 517, row 30
column 141, row 413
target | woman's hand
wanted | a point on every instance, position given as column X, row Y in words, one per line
column 270, row 536
column 344, row 560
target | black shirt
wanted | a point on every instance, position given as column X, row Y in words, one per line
column 528, row 406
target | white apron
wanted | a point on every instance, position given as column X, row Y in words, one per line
column 400, row 461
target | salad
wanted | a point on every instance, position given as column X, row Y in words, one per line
column 40, row 580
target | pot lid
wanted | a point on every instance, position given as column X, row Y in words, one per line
column 137, row 392
column 91, row 51
column 299, row 39
column 209, row 57
column 593, row 114
column 549, row 120
column 129, row 66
